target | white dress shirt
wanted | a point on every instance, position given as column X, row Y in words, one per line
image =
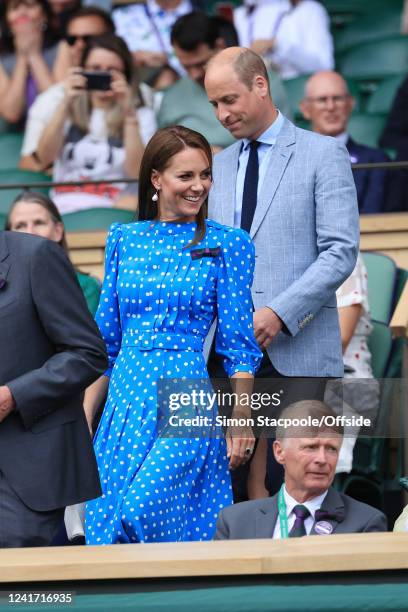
column 312, row 505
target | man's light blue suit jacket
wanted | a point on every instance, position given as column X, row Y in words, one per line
column 306, row 235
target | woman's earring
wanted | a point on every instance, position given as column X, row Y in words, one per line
column 155, row 197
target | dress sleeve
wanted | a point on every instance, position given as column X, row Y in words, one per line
column 235, row 339
column 108, row 313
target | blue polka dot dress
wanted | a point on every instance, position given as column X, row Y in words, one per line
column 157, row 304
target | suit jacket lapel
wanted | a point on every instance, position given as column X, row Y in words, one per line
column 333, row 504
column 266, row 517
column 277, row 163
column 228, row 181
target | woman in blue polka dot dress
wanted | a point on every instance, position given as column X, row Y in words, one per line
column 167, row 277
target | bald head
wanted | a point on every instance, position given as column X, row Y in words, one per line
column 244, row 63
column 327, row 103
column 237, row 86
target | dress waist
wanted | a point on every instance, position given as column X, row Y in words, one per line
column 150, row 339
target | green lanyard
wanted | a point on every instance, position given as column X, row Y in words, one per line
column 283, row 519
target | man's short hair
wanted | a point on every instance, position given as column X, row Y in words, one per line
column 93, row 11
column 247, row 66
column 307, row 419
column 194, row 29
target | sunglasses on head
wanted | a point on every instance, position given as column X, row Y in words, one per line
column 71, row 39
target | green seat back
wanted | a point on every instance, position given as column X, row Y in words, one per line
column 23, row 178
column 295, row 89
column 382, row 98
column 375, row 60
column 379, row 343
column 96, row 219
column 2, row 220
column 378, row 24
column 366, row 129
column 382, row 272
column 10, row 148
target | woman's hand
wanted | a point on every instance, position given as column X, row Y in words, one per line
column 28, row 39
column 74, row 84
column 240, row 443
column 121, row 92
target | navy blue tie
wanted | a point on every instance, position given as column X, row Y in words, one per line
column 249, row 195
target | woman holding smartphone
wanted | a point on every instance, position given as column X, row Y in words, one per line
column 100, row 128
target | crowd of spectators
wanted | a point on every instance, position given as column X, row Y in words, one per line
column 89, row 86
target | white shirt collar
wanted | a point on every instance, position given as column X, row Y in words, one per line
column 311, row 504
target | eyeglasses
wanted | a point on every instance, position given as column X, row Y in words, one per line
column 324, row 100
column 71, row 39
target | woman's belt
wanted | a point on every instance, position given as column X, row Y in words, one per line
column 148, row 340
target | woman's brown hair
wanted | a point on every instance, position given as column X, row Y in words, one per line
column 160, row 150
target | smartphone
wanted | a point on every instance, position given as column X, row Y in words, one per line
column 98, row 80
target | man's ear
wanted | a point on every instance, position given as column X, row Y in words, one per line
column 261, row 84
column 279, row 451
column 304, row 109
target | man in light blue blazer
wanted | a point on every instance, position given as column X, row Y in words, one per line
column 305, row 224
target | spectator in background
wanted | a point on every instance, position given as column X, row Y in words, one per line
column 35, row 213
column 395, row 136
column 360, row 391
column 293, row 36
column 327, row 104
column 27, row 55
column 61, row 12
column 196, row 38
column 97, row 134
column 81, row 26
column 306, row 504
column 146, row 29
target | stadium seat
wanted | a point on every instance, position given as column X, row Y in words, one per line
column 366, row 129
column 367, row 480
column 375, row 60
column 382, row 98
column 10, row 147
column 382, row 276
column 96, row 219
column 22, row 177
column 2, row 220
column 378, row 24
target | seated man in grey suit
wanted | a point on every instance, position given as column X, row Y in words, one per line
column 50, row 351
column 306, row 504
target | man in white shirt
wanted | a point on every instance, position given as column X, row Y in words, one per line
column 306, row 504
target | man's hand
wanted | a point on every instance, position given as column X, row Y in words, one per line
column 6, row 402
column 267, row 325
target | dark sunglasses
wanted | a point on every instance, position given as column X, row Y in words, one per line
column 71, row 39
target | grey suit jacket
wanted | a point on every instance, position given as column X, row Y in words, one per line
column 50, row 351
column 306, row 233
column 257, row 519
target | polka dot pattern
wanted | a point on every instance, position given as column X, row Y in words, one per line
column 157, row 305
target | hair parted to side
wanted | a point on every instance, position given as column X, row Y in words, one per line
column 34, row 197
column 307, row 411
column 247, row 66
column 160, row 150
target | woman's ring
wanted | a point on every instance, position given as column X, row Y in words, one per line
column 248, row 451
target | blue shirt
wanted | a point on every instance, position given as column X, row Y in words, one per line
column 267, row 140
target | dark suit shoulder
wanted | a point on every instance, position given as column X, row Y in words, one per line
column 248, row 508
column 366, row 153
